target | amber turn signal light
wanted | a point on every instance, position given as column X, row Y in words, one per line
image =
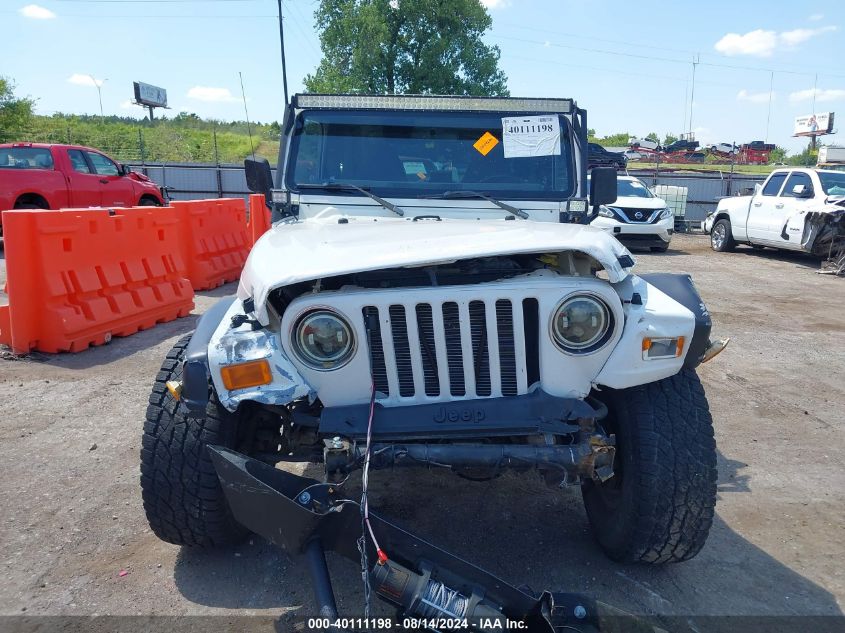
column 243, row 375
column 654, row 348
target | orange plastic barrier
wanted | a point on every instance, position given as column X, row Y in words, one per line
column 78, row 277
column 259, row 216
column 215, row 240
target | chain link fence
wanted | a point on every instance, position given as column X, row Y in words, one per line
column 161, row 142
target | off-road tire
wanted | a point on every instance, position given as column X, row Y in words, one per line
column 182, row 496
column 728, row 243
column 658, row 506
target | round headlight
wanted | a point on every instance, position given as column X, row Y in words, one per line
column 323, row 340
column 582, row 324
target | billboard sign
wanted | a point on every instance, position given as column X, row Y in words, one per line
column 148, row 95
column 814, row 124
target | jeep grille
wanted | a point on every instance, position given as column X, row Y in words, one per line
column 466, row 350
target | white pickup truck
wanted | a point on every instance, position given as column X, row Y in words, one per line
column 796, row 209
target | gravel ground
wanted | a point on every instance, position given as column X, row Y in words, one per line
column 73, row 522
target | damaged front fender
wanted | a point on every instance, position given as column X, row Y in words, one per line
column 234, row 342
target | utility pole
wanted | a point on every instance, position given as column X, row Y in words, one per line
column 769, row 115
column 99, row 85
column 692, row 94
column 282, row 44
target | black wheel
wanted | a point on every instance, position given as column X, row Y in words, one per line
column 30, row 205
column 721, row 238
column 147, row 201
column 658, row 506
column 182, row 496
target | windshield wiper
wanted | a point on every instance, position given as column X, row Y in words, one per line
column 457, row 195
column 345, row 186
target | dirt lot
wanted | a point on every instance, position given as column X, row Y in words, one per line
column 73, row 521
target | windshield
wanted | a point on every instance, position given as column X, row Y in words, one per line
column 418, row 154
column 632, row 189
column 26, row 158
column 833, row 184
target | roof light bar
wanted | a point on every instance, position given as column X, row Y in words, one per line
column 433, row 102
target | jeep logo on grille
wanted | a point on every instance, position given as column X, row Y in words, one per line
column 469, row 414
column 639, row 215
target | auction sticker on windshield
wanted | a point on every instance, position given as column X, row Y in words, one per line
column 526, row 136
column 485, row 143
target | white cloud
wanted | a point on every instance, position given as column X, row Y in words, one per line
column 759, row 43
column 820, row 95
column 207, row 93
column 797, row 36
column 36, row 12
column 762, row 43
column 816, row 17
column 753, row 97
column 495, row 4
column 84, row 80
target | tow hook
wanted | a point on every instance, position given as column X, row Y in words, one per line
column 714, row 349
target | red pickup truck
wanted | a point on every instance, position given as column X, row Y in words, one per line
column 41, row 176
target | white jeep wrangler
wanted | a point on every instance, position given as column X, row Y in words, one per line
column 430, row 293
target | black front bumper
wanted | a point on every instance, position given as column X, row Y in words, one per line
column 530, row 414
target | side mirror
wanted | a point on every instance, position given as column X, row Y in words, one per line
column 259, row 177
column 125, row 170
column 602, row 186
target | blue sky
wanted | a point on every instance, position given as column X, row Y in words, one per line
column 629, row 64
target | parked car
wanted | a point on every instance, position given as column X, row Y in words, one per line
column 458, row 322
column 724, row 148
column 795, row 209
column 638, row 218
column 598, row 156
column 645, row 143
column 46, row 176
column 681, row 145
column 632, row 155
column 760, row 146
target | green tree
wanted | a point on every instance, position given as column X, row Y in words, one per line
column 619, row 139
column 777, row 155
column 669, row 138
column 15, row 112
column 652, row 136
column 406, row 46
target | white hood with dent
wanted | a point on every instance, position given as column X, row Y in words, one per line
column 302, row 251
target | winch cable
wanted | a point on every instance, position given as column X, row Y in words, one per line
column 365, row 480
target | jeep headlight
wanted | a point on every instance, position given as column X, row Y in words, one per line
column 582, row 324
column 664, row 213
column 323, row 340
column 605, row 212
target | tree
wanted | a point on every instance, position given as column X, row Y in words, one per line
column 669, row 139
column 652, row 136
column 406, row 46
column 777, row 155
column 15, row 113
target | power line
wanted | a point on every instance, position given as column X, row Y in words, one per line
column 662, row 48
column 656, row 58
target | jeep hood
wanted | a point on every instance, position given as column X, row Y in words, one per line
column 292, row 252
